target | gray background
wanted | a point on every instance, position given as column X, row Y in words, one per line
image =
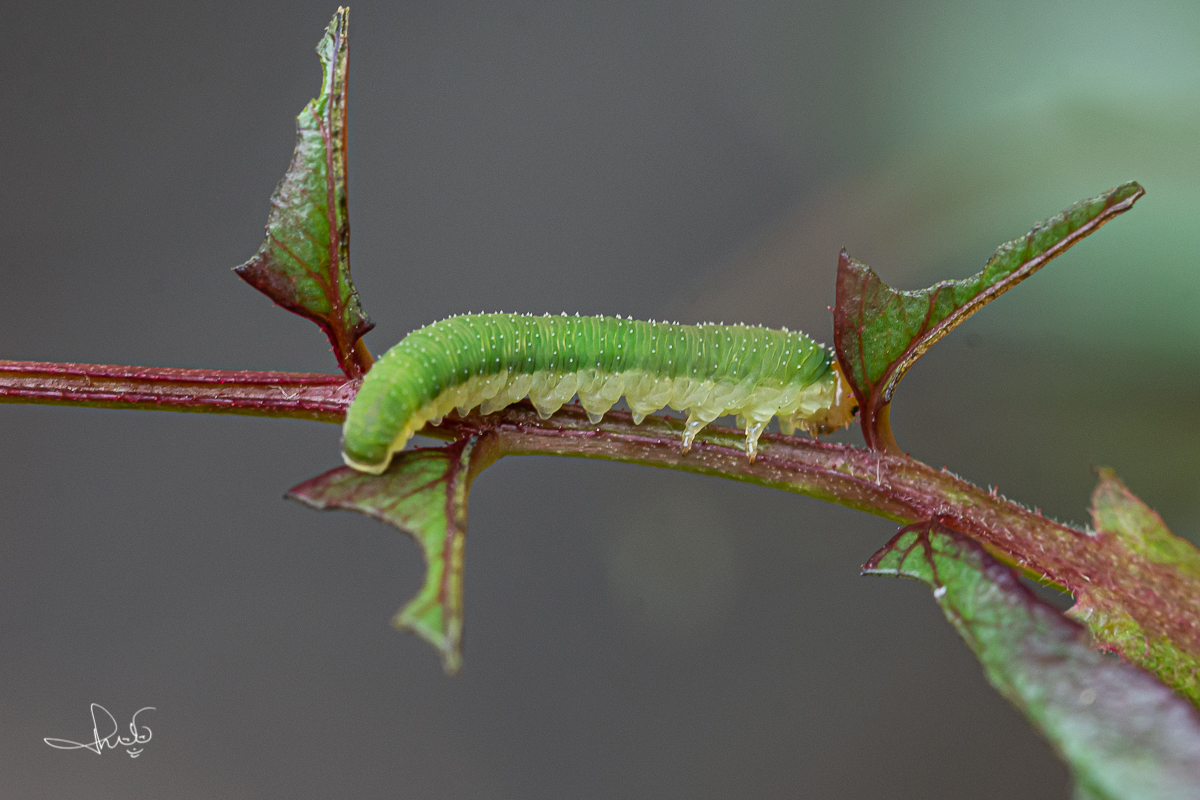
column 630, row 632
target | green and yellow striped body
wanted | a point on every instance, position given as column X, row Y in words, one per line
column 490, row 361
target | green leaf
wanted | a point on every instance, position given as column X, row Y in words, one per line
column 424, row 494
column 880, row 332
column 1124, row 735
column 1154, row 582
column 304, row 262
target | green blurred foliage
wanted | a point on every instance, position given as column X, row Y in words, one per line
column 975, row 120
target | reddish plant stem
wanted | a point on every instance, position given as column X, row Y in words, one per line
column 897, row 487
column 892, row 486
column 315, row 396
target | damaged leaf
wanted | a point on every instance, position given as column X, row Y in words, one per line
column 304, row 262
column 424, row 494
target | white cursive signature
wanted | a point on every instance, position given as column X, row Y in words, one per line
column 112, row 740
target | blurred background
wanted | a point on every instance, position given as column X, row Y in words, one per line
column 630, row 632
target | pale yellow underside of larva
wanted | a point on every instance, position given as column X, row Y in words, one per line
column 822, row 407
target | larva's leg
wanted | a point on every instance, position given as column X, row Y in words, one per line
column 546, row 411
column 690, row 429
column 753, row 431
column 698, row 417
column 549, row 391
column 598, row 398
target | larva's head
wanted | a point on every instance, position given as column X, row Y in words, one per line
column 384, row 413
column 841, row 412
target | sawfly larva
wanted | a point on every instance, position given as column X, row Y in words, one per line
column 490, row 361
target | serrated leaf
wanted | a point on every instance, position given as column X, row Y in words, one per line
column 1124, row 735
column 880, row 332
column 424, row 494
column 1159, row 638
column 304, row 262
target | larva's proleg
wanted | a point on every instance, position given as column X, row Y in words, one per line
column 489, row 361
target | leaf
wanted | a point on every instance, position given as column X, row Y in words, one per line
column 880, row 332
column 1124, row 735
column 424, row 494
column 304, row 262
column 1156, row 636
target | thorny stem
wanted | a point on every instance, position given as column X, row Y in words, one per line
column 889, row 485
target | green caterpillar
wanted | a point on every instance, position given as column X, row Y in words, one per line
column 494, row 360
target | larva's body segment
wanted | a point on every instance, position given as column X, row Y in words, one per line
column 490, row 361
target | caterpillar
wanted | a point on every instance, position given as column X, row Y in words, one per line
column 490, row 361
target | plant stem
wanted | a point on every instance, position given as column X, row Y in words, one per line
column 896, row 487
column 315, row 396
column 893, row 486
